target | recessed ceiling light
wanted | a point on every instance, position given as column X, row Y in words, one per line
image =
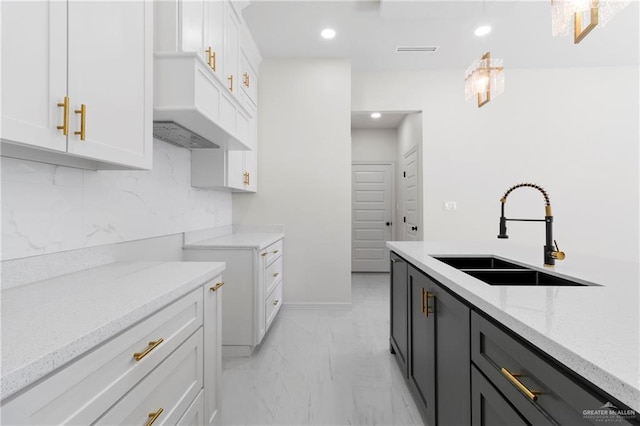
column 328, row 33
column 483, row 30
column 376, row 115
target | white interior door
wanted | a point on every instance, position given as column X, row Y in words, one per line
column 411, row 192
column 371, row 217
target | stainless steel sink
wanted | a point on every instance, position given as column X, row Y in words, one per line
column 494, row 271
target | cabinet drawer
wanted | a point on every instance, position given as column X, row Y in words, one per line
column 195, row 413
column 514, row 367
column 273, row 275
column 81, row 392
column 168, row 391
column 488, row 407
column 272, row 252
column 273, row 303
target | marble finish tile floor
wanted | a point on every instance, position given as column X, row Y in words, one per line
column 322, row 367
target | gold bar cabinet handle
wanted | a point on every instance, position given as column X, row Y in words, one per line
column 216, row 287
column 275, row 274
column 246, row 79
column 248, row 178
column 65, row 118
column 152, row 345
column 83, row 121
column 154, row 416
column 275, row 302
column 513, row 378
column 428, row 309
column 230, row 78
column 276, row 251
column 264, row 254
column 208, row 52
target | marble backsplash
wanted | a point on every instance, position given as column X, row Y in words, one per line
column 48, row 209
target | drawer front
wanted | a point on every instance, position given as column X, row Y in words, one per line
column 273, row 304
column 84, row 390
column 272, row 252
column 488, row 407
column 195, row 413
column 273, row 275
column 516, row 368
column 167, row 392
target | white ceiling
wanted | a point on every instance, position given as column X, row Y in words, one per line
column 369, row 31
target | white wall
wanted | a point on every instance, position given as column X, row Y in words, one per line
column 47, row 209
column 374, row 144
column 304, row 162
column 573, row 131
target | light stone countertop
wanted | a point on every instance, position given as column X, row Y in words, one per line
column 593, row 330
column 48, row 323
column 257, row 240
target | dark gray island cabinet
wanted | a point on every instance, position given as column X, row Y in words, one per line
column 463, row 368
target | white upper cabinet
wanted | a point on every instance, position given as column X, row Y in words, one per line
column 34, row 73
column 109, row 72
column 231, row 48
column 98, row 56
column 214, row 35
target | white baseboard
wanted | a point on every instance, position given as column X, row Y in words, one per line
column 317, row 305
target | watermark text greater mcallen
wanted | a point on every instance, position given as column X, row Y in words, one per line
column 608, row 413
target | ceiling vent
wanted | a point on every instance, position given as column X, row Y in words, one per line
column 416, row 48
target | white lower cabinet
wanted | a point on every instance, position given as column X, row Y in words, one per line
column 252, row 291
column 159, row 366
column 166, row 393
column 195, row 413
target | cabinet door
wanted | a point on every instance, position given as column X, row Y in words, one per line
column 110, row 72
column 453, row 380
column 34, row 72
column 235, row 170
column 191, row 33
column 251, row 168
column 421, row 345
column 214, row 33
column 399, row 311
column 231, row 48
column 488, row 407
column 212, row 348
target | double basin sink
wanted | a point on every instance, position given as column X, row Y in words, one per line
column 495, row 271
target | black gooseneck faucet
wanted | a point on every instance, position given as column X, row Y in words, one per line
column 551, row 250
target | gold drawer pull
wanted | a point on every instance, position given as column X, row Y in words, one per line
column 83, row 121
column 264, row 254
column 230, row 78
column 275, row 274
column 428, row 309
column 154, row 416
column 275, row 302
column 152, row 345
column 517, row 383
column 216, row 287
column 65, row 118
column 276, row 251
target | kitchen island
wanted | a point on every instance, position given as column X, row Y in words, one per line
column 591, row 331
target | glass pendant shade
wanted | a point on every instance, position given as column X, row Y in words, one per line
column 569, row 15
column 484, row 79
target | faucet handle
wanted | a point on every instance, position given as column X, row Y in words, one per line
column 557, row 254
